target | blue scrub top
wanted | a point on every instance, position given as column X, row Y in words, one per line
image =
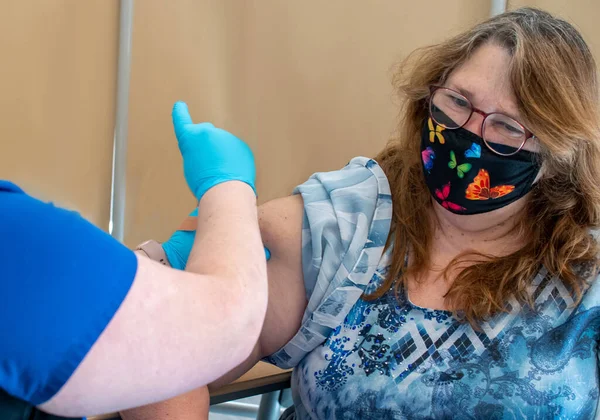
column 61, row 281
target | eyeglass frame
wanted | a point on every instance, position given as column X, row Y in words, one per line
column 485, row 115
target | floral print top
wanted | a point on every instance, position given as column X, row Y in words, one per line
column 391, row 359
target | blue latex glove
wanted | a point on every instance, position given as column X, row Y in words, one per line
column 210, row 155
column 179, row 246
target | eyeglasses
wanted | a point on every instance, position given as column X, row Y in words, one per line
column 502, row 134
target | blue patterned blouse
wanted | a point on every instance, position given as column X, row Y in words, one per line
column 390, row 359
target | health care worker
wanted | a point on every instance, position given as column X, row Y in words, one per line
column 88, row 326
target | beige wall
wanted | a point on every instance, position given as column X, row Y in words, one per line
column 306, row 84
column 57, row 84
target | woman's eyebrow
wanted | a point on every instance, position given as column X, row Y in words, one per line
column 460, row 90
column 464, row 91
column 470, row 96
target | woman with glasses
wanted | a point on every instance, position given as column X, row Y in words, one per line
column 455, row 274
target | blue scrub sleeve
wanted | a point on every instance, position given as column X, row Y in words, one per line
column 61, row 281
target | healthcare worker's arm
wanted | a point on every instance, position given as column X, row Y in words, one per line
column 280, row 223
column 176, row 330
column 88, row 327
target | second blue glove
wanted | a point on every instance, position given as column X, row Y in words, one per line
column 179, row 246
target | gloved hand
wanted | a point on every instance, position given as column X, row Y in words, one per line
column 179, row 246
column 210, row 155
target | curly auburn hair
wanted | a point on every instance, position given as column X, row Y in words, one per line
column 554, row 78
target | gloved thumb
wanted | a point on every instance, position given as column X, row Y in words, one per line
column 181, row 117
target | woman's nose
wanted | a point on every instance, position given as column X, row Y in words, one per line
column 474, row 124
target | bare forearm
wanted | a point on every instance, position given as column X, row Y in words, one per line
column 227, row 226
column 228, row 246
column 228, row 242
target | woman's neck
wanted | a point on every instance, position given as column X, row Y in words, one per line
column 492, row 234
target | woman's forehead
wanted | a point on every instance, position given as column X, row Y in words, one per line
column 485, row 79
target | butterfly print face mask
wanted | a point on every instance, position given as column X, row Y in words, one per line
column 466, row 177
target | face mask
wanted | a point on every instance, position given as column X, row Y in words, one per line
column 466, row 177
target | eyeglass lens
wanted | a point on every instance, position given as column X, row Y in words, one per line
column 501, row 133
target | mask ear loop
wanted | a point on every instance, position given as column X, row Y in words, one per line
column 541, row 171
column 539, row 164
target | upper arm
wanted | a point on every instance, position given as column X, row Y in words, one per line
column 62, row 280
column 280, row 224
column 166, row 338
column 325, row 242
column 345, row 225
column 87, row 326
column 335, row 223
